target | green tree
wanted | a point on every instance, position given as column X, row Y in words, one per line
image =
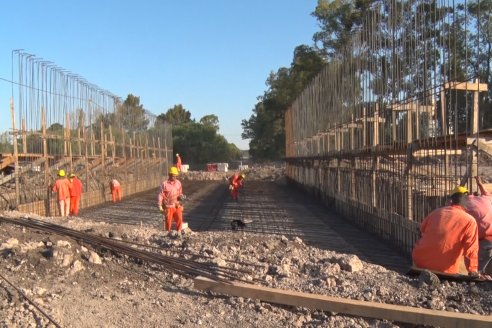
column 266, row 127
column 210, row 120
column 5, row 145
column 176, row 115
column 131, row 115
column 199, row 144
column 338, row 19
column 55, row 145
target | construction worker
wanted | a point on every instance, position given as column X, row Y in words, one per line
column 168, row 201
column 480, row 207
column 449, row 233
column 236, row 181
column 115, row 187
column 75, row 194
column 178, row 162
column 62, row 188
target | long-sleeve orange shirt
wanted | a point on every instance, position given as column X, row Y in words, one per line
column 76, row 187
column 169, row 192
column 62, row 188
column 235, row 180
column 448, row 233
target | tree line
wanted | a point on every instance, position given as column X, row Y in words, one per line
column 467, row 26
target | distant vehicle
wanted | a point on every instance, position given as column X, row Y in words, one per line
column 217, row 167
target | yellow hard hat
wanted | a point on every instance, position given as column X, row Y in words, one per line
column 72, row 175
column 242, row 176
column 61, row 173
column 173, row 171
column 459, row 189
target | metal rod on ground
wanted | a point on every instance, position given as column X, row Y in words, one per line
column 30, row 302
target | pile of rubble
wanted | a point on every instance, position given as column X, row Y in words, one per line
column 265, row 172
column 79, row 285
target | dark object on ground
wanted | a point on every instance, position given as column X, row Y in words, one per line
column 237, row 225
column 414, row 271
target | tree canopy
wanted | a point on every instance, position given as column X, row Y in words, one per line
column 131, row 115
column 198, row 143
column 441, row 26
column 266, row 127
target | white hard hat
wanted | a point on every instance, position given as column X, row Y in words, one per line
column 177, row 154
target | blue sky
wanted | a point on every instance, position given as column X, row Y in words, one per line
column 211, row 56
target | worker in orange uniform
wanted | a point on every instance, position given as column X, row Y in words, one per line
column 62, row 188
column 178, row 162
column 115, row 187
column 75, row 194
column 480, row 207
column 449, row 233
column 168, row 201
column 236, row 181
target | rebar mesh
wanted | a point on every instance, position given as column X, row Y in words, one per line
column 391, row 124
column 62, row 121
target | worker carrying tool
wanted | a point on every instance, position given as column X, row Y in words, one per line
column 62, row 188
column 480, row 207
column 178, row 162
column 75, row 194
column 169, row 201
column 449, row 234
column 115, row 187
column 236, row 181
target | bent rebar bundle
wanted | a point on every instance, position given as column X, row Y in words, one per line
column 184, row 267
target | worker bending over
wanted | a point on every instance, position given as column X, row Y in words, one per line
column 449, row 233
column 62, row 189
column 115, row 187
column 480, row 207
column 236, row 181
column 168, row 201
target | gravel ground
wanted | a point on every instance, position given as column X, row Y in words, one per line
column 78, row 285
column 81, row 286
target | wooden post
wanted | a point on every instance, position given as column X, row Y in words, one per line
column 111, row 140
column 46, row 162
column 16, row 154
column 86, row 159
column 24, row 136
column 79, row 146
column 476, row 87
column 123, row 143
column 68, row 141
column 103, row 146
column 93, row 143
column 364, row 127
column 65, row 146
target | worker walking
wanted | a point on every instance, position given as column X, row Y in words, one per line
column 168, row 201
column 480, row 207
column 449, row 233
column 236, row 181
column 178, row 162
column 115, row 187
column 62, row 189
column 75, row 194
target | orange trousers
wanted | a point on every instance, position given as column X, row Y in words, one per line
column 74, row 205
column 116, row 194
column 234, row 192
column 170, row 214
